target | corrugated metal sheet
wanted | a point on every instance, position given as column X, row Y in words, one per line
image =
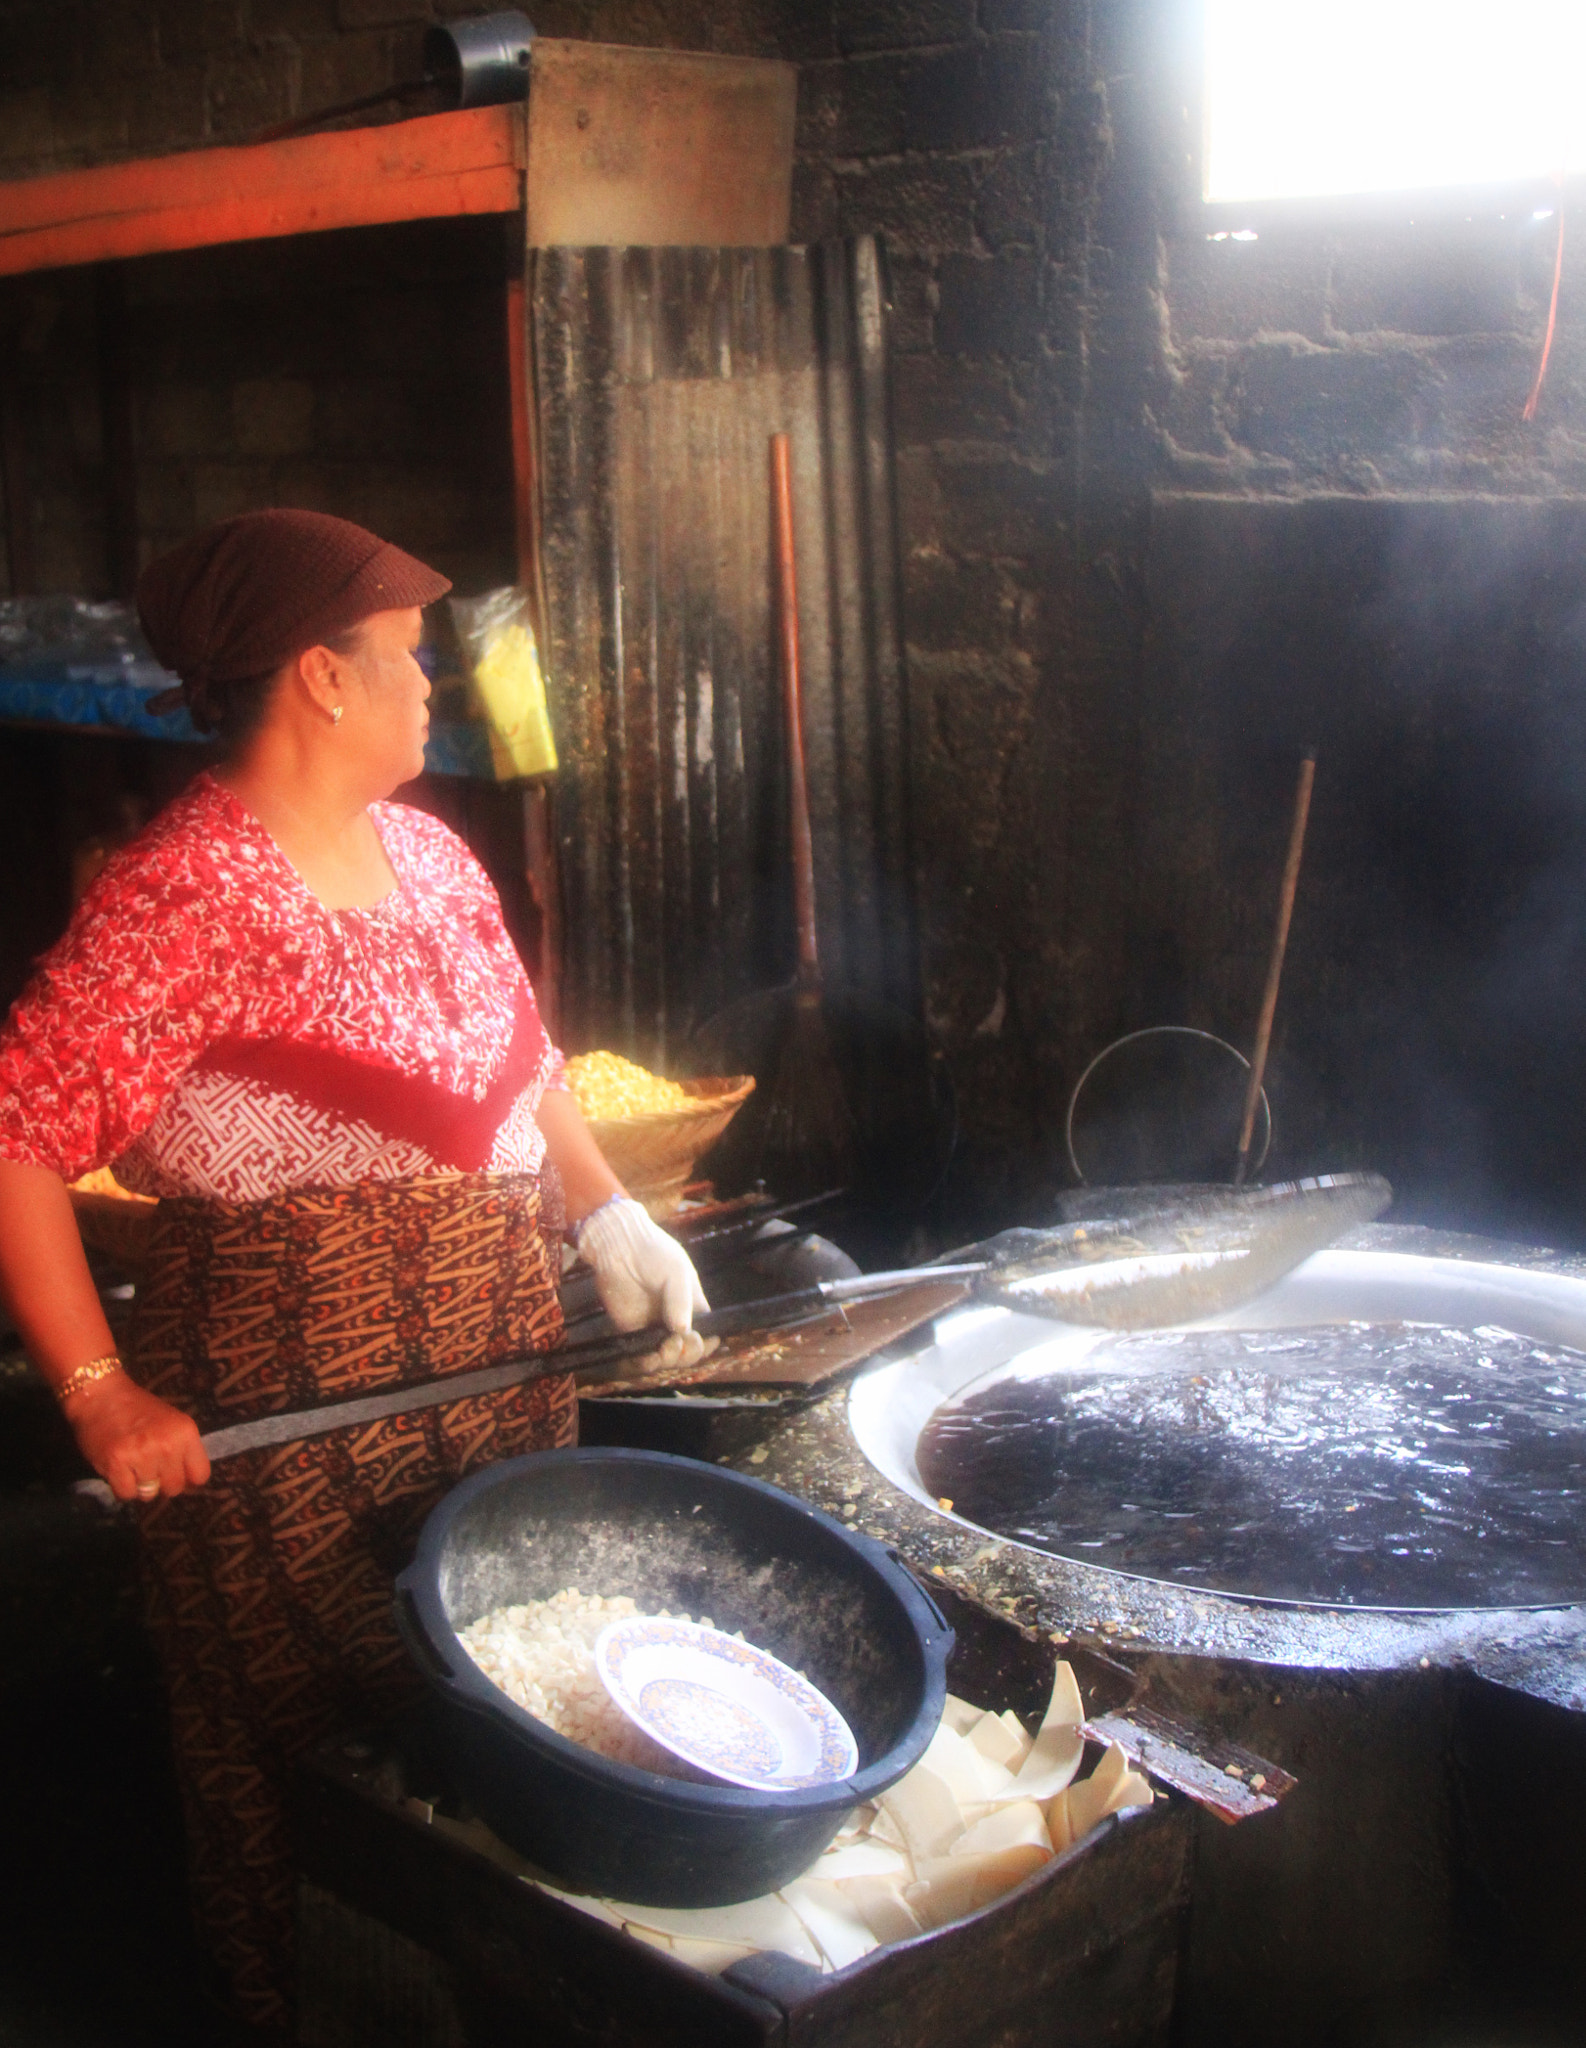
column 661, row 375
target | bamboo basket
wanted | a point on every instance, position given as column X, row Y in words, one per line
column 653, row 1156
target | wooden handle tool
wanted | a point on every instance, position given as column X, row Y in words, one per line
column 1280, row 940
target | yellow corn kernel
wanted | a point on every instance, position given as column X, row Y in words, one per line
column 607, row 1088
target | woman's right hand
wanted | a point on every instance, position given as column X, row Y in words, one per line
column 132, row 1439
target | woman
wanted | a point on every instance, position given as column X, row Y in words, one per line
column 290, row 1010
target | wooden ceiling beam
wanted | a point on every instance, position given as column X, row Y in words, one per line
column 438, row 165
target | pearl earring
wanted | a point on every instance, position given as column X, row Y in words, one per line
column 335, row 714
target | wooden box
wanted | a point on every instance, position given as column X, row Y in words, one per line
column 414, row 1939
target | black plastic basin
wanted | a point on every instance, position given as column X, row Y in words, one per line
column 671, row 1533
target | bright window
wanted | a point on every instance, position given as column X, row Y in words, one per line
column 1306, row 98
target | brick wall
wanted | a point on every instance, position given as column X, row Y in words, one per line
column 1106, row 748
column 362, row 372
column 972, row 138
column 87, row 80
column 83, row 81
column 1370, row 360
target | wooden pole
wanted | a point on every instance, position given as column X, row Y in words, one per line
column 1280, row 940
column 542, row 871
column 792, row 698
column 541, row 864
column 520, row 390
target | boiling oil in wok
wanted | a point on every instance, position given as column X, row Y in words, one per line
column 1382, row 1464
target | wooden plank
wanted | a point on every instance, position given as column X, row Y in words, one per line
column 527, row 1967
column 520, row 394
column 360, row 1981
column 435, row 145
column 1084, row 1952
column 1231, row 1782
column 806, row 1355
column 652, row 147
column 543, row 874
column 439, row 165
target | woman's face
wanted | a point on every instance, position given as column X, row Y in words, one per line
column 386, row 715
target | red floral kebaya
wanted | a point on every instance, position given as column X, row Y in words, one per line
column 209, row 1028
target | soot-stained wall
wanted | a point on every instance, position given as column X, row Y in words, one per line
column 363, row 372
column 1174, row 510
column 1170, row 509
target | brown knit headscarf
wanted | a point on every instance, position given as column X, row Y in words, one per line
column 227, row 608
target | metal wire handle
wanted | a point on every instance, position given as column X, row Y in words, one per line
column 1160, row 1031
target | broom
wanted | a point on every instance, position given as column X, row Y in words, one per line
column 809, row 1130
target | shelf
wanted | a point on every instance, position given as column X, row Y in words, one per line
column 437, row 166
column 114, row 700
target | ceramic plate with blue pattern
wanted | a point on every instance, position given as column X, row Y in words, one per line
column 720, row 1703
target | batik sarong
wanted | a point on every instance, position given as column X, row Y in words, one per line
column 269, row 1589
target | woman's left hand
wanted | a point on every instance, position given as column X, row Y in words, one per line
column 644, row 1276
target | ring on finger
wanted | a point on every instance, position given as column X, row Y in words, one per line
column 148, row 1488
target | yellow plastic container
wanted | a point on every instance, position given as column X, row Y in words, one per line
column 512, row 698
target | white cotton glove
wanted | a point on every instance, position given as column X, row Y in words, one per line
column 644, row 1276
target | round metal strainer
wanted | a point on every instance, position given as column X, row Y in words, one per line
column 1163, row 1104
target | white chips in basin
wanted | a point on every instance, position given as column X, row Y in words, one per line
column 985, row 1809
column 724, row 1705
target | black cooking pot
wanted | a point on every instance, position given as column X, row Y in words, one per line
column 671, row 1533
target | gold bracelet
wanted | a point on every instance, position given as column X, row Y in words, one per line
column 85, row 1375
